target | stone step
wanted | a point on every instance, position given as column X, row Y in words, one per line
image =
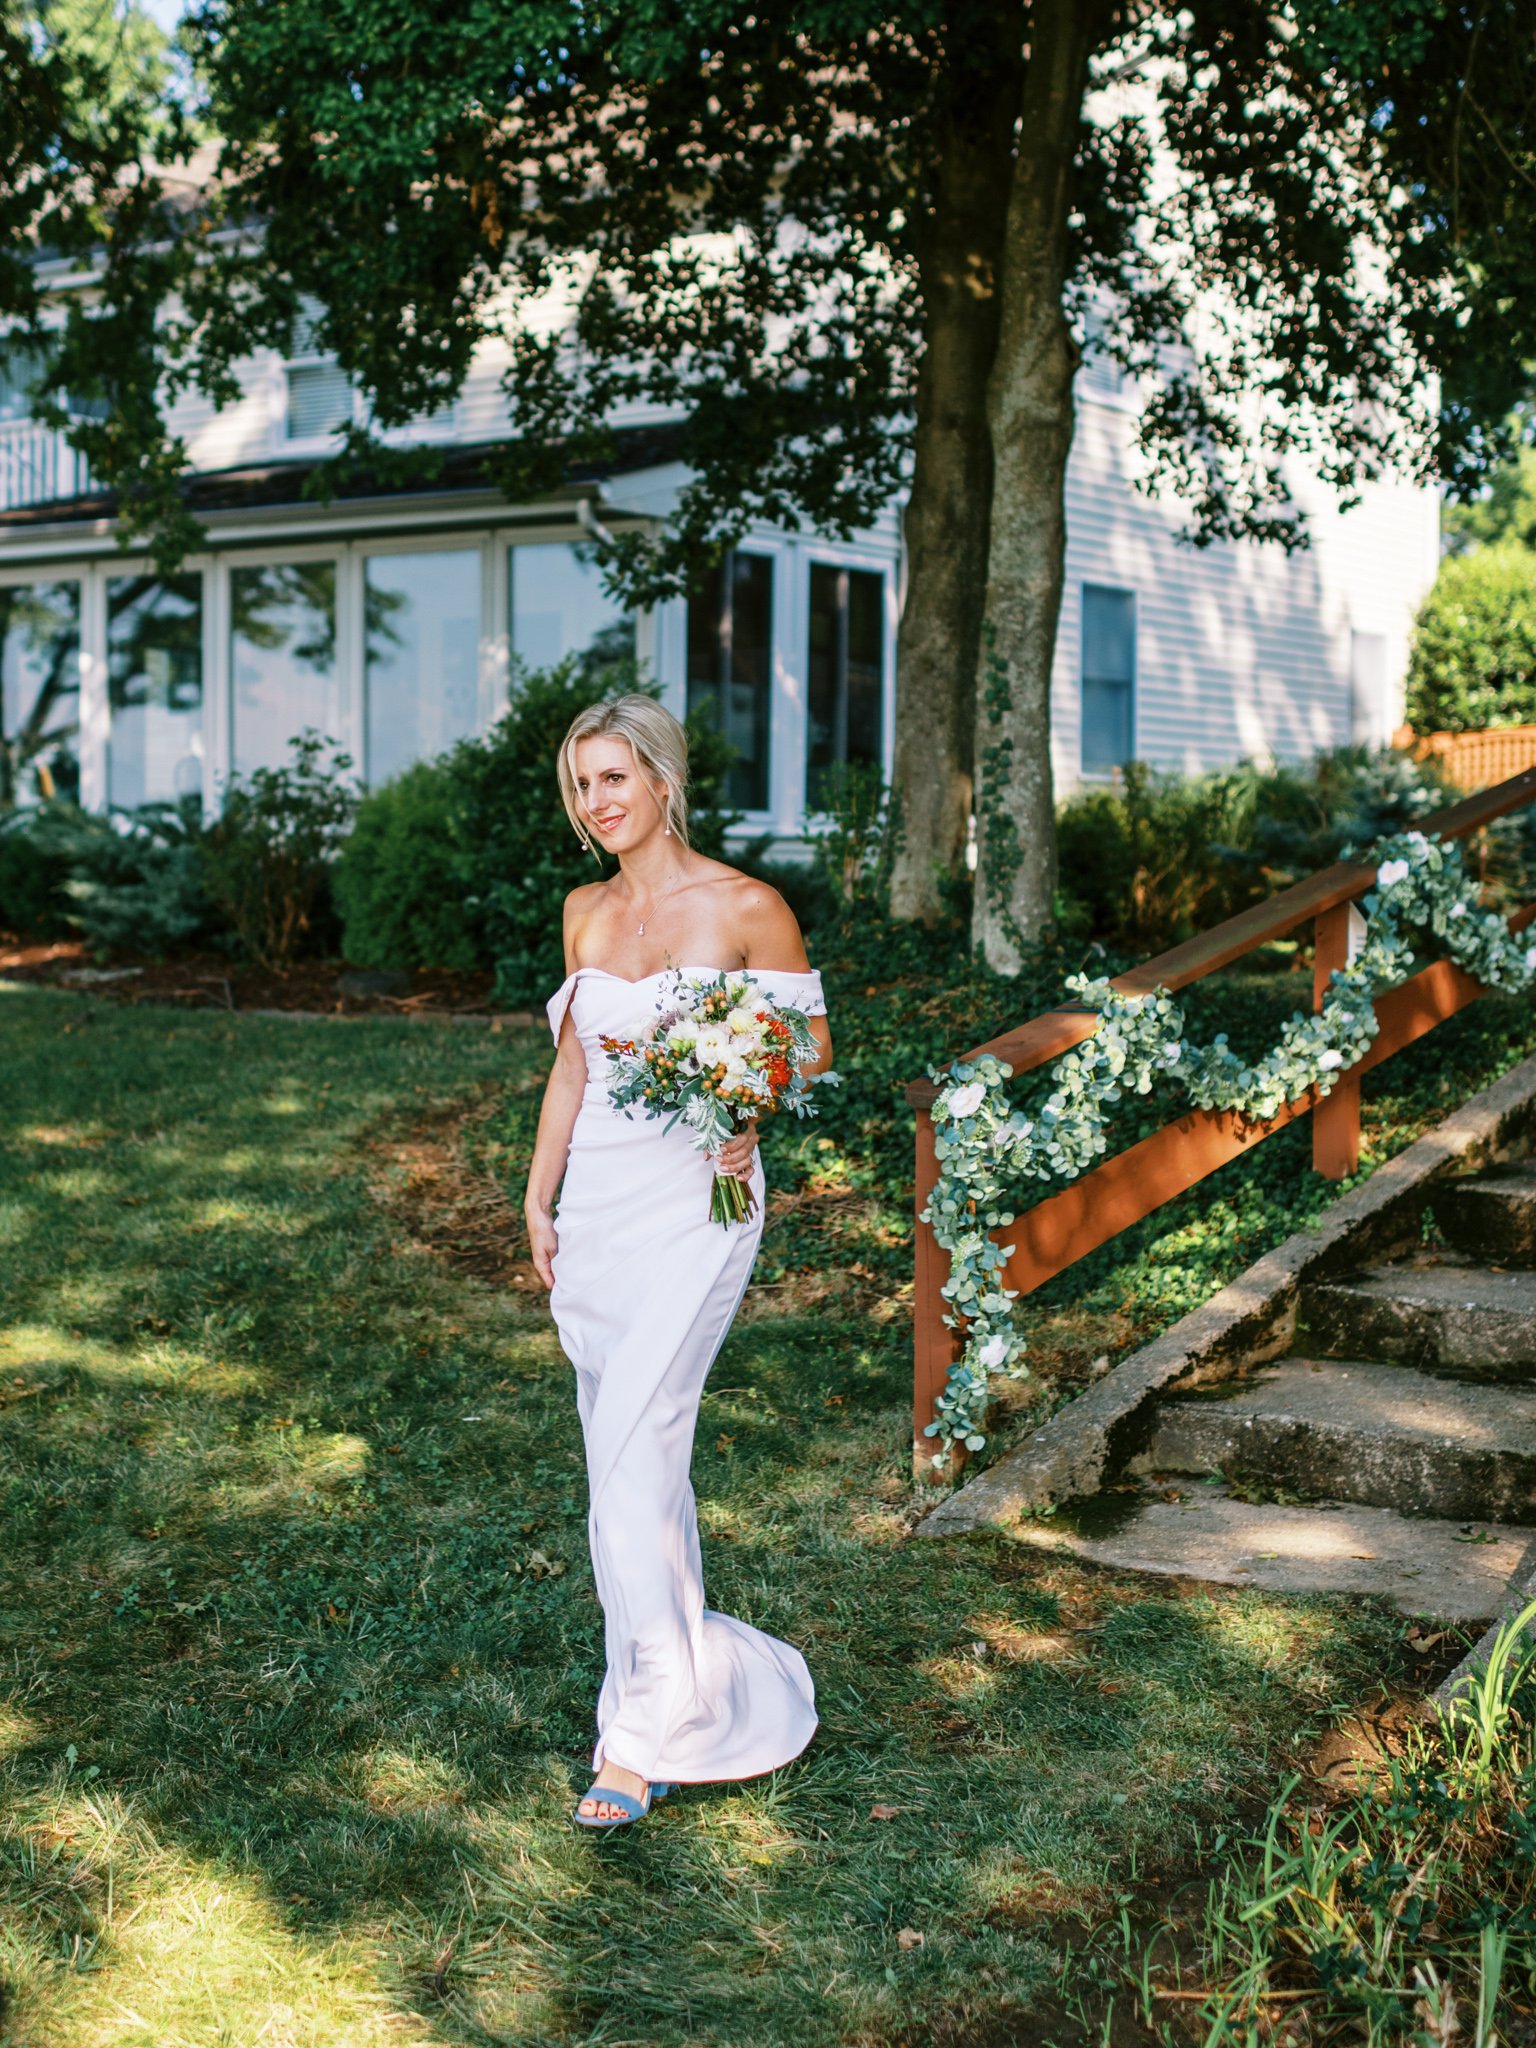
column 1468, row 1321
column 1449, row 1570
column 1491, row 1215
column 1383, row 1435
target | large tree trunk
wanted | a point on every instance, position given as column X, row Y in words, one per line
column 1029, row 409
column 946, row 527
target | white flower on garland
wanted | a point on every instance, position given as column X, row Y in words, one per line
column 985, row 1151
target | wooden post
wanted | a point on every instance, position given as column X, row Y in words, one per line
column 1336, row 1118
column 933, row 1342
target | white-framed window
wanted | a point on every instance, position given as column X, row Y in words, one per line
column 156, row 744
column 730, row 666
column 398, row 640
column 320, row 398
column 421, row 654
column 284, row 668
column 1108, row 678
column 39, row 689
column 845, row 681
column 558, row 609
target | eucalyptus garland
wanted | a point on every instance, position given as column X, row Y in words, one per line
column 986, row 1148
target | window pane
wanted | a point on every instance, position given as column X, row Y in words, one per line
column 1368, row 712
column 750, row 699
column 730, row 666
column 559, row 608
column 1109, row 634
column 319, row 399
column 422, row 628
column 154, row 687
column 22, row 367
column 845, row 671
column 1108, row 677
column 1106, row 726
column 706, row 647
column 39, row 690
column 866, row 664
column 282, row 659
column 823, row 667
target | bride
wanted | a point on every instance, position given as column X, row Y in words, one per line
column 643, row 1286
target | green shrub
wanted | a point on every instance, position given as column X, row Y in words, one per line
column 33, row 872
column 135, row 879
column 1161, row 857
column 403, row 872
column 267, row 862
column 467, row 860
column 1473, row 662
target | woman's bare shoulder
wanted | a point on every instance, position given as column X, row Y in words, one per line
column 769, row 929
column 584, row 897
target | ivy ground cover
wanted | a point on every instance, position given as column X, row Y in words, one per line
column 298, row 1642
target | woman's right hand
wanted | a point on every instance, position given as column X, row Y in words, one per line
column 542, row 1242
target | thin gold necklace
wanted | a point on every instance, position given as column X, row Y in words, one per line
column 640, row 927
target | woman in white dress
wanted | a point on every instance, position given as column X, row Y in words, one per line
column 643, row 1285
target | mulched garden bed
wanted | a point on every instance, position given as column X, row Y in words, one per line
column 210, row 981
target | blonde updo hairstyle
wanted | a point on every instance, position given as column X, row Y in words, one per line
column 660, row 748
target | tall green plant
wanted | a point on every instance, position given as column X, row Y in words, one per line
column 267, row 862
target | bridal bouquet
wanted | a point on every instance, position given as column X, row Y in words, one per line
column 717, row 1055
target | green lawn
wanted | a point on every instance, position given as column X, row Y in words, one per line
column 299, row 1644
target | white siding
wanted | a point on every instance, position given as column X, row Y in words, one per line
column 1241, row 649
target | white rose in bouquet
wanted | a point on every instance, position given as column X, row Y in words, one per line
column 713, row 1046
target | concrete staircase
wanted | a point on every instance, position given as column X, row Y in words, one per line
column 1393, row 1451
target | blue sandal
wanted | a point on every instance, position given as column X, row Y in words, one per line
column 633, row 1809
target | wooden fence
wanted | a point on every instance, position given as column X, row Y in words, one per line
column 1086, row 1212
column 1473, row 760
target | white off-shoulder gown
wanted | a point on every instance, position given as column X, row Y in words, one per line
column 645, row 1286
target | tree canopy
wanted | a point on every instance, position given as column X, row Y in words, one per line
column 860, row 249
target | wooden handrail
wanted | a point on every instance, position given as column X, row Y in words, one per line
column 1086, row 1212
column 1057, row 1030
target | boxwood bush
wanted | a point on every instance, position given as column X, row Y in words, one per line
column 1473, row 662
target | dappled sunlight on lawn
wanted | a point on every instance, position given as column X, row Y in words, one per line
column 175, row 1945
column 297, row 1567
column 405, row 1781
column 33, row 1347
column 16, row 1730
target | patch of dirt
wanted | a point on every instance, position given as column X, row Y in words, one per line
column 209, row 981
column 425, row 1184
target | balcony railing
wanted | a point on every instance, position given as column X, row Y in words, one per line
column 38, row 466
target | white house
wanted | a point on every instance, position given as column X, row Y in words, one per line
column 393, row 621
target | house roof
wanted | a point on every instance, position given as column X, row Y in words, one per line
column 462, row 470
